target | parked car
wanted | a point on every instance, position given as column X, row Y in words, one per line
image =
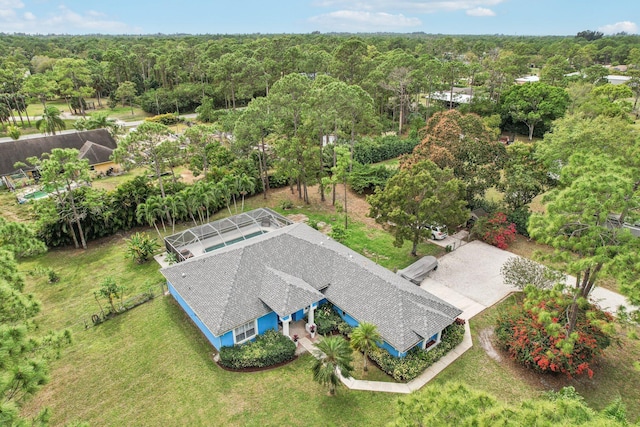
column 438, row 232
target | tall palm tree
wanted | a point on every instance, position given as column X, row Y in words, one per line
column 212, row 197
column 50, row 121
column 245, row 184
column 231, row 184
column 177, row 209
column 225, row 193
column 363, row 338
column 156, row 205
column 144, row 212
column 332, row 354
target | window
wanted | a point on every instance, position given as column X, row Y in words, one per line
column 244, row 332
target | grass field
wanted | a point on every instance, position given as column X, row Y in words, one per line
column 152, row 366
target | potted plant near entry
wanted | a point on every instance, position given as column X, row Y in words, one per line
column 312, row 330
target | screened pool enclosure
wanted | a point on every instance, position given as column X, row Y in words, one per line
column 224, row 232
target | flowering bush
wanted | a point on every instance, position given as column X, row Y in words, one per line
column 534, row 334
column 495, row 230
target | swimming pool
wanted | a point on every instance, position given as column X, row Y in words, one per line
column 236, row 240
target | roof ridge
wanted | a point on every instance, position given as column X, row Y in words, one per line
column 229, row 289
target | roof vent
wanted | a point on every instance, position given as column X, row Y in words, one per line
column 184, row 275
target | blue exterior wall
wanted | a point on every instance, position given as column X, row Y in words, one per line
column 298, row 315
column 392, row 351
column 353, row 322
column 345, row 316
column 266, row 322
column 216, row 341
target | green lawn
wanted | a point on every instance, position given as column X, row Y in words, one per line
column 152, row 366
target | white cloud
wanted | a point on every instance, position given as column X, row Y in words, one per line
column 624, row 26
column 351, row 20
column 11, row 4
column 409, row 6
column 480, row 11
column 62, row 21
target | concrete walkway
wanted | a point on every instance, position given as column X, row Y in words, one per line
column 413, row 385
column 468, row 278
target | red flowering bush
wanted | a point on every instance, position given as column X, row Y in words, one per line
column 534, row 333
column 495, row 230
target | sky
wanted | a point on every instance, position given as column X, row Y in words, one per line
column 509, row 17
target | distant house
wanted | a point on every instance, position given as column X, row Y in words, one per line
column 94, row 145
column 617, row 80
column 527, row 79
column 257, row 271
column 460, row 96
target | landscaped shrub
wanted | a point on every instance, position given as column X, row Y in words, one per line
column 326, row 319
column 166, row 119
column 417, row 360
column 268, row 349
column 365, row 178
column 140, row 247
column 520, row 217
column 369, row 150
column 495, row 230
column 534, row 333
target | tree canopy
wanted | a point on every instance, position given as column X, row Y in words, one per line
column 416, row 198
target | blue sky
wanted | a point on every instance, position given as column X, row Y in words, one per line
column 511, row 17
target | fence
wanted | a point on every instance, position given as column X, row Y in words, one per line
column 103, row 311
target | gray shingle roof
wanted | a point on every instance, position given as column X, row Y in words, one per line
column 18, row 151
column 283, row 269
column 286, row 294
column 95, row 153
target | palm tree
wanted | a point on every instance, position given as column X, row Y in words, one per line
column 157, row 208
column 332, row 354
column 212, row 197
column 245, row 184
column 144, row 212
column 50, row 121
column 225, row 193
column 192, row 200
column 231, row 184
column 364, row 338
column 177, row 209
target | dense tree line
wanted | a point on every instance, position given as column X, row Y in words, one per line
column 179, row 73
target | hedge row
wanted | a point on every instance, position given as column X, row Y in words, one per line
column 374, row 150
column 268, row 349
column 417, row 360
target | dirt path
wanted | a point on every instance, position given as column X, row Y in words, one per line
column 485, row 337
column 357, row 206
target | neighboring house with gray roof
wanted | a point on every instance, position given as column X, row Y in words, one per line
column 94, row 145
column 236, row 292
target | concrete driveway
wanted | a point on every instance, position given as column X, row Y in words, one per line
column 469, row 278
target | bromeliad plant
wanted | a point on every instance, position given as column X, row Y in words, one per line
column 534, row 333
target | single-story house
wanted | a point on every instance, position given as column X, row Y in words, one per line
column 94, row 145
column 269, row 278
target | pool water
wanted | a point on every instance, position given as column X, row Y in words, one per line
column 236, row 240
column 36, row 195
